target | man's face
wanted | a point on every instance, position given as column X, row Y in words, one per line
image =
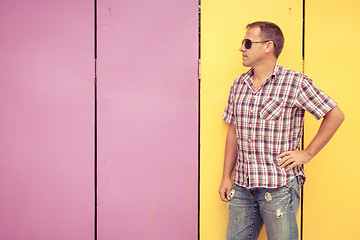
column 251, row 57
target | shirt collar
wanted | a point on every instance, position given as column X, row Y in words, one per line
column 247, row 76
column 277, row 70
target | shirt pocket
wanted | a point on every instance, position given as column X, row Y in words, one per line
column 272, row 109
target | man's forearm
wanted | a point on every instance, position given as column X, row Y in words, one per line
column 229, row 163
column 230, row 152
column 328, row 127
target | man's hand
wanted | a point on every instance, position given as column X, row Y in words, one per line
column 225, row 189
column 332, row 121
column 293, row 158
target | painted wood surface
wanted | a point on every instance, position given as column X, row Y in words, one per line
column 333, row 184
column 222, row 30
column 148, row 119
column 46, row 143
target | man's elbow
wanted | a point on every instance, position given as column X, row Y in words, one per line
column 342, row 116
column 336, row 114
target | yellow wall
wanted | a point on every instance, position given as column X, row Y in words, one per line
column 332, row 35
column 332, row 190
column 222, row 30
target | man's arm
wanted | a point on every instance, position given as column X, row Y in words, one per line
column 330, row 124
column 229, row 163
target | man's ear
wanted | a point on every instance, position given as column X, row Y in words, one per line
column 269, row 47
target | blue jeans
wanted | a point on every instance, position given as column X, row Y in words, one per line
column 249, row 209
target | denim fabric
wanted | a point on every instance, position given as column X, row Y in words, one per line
column 250, row 209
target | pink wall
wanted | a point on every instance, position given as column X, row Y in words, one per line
column 46, row 109
column 147, row 74
column 147, row 120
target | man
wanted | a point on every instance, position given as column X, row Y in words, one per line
column 265, row 111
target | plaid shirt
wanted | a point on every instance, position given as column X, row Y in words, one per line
column 270, row 121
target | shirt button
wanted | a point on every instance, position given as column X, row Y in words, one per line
column 249, row 125
column 249, row 140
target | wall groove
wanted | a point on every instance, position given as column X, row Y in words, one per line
column 95, row 122
column 302, row 140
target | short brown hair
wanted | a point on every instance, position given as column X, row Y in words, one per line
column 270, row 31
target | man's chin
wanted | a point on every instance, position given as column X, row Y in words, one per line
column 245, row 64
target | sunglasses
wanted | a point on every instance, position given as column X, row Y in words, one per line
column 247, row 43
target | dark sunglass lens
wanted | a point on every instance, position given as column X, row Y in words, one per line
column 247, row 43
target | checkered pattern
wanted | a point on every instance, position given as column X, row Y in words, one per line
column 270, row 121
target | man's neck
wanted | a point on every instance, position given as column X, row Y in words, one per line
column 263, row 71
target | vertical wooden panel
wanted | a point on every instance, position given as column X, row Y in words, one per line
column 148, row 119
column 331, row 59
column 46, row 144
column 222, row 30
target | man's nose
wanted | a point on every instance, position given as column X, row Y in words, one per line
column 242, row 48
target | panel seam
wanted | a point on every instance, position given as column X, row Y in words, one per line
column 95, row 125
column 302, row 140
column 199, row 106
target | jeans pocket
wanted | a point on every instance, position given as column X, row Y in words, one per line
column 294, row 186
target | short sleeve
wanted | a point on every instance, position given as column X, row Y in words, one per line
column 312, row 99
column 229, row 114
